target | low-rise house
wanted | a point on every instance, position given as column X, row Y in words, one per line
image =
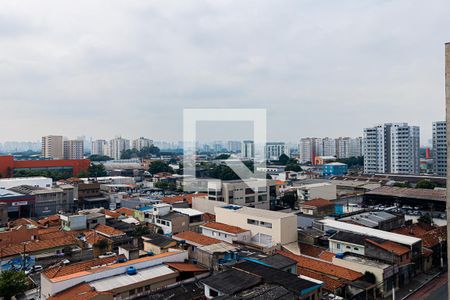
column 112, row 277
column 157, row 243
column 225, row 232
column 250, row 277
column 317, row 207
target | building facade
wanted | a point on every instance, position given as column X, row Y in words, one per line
column 248, row 149
column 141, row 143
column 391, row 148
column 117, row 146
column 73, row 149
column 440, row 148
column 99, row 147
column 52, row 147
column 273, row 151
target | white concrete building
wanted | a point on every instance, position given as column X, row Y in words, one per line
column 307, row 150
column 52, row 147
column 349, row 147
column 248, row 149
column 329, row 147
column 99, row 147
column 268, row 228
column 323, row 190
column 117, row 146
column 142, row 142
column 391, row 148
column 273, row 151
column 73, row 149
column 225, row 232
column 41, row 182
column 440, row 148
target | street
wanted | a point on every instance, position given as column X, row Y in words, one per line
column 434, row 290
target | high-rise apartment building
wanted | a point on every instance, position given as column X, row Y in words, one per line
column 141, row 143
column 52, row 147
column 73, row 149
column 349, row 147
column 391, row 148
column 273, row 151
column 307, row 150
column 117, row 146
column 329, row 147
column 234, row 146
column 440, row 148
column 100, row 147
column 248, row 149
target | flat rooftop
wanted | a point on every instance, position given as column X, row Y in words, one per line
column 425, row 194
column 124, row 279
column 390, row 236
column 365, row 261
column 256, row 212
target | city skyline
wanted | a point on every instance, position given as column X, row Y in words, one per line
column 353, row 65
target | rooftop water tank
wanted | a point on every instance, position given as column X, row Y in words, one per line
column 131, row 271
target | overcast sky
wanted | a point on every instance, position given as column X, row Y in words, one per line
column 320, row 68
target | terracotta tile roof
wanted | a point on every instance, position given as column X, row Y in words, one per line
column 330, row 284
column 430, row 235
column 125, row 211
column 47, row 230
column 82, row 291
column 56, row 235
column 93, row 237
column 38, row 245
column 225, row 227
column 207, row 217
column 321, row 266
column 24, row 221
column 280, row 182
column 183, row 198
column 112, row 214
column 197, row 238
column 108, row 230
column 318, row 202
column 328, row 256
column 316, row 252
column 64, row 270
column 186, row 267
column 390, row 247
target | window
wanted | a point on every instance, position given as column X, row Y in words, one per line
column 140, row 290
column 338, row 246
column 252, row 222
column 132, row 292
column 147, row 288
column 356, row 248
column 213, row 293
column 266, row 224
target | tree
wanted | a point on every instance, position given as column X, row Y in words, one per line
column 96, row 157
column 167, row 186
column 222, row 156
column 12, row 283
column 401, row 184
column 283, row 159
column 97, row 170
column 289, row 199
column 370, row 277
column 425, row 184
column 352, row 161
column 160, row 166
column 425, row 219
column 141, row 230
column 293, row 165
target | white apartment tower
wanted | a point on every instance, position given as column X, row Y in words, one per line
column 273, row 151
column 141, row 143
column 329, row 147
column 52, row 147
column 99, row 147
column 248, row 149
column 349, row 147
column 391, row 148
column 73, row 149
column 117, row 146
column 440, row 148
column 307, row 150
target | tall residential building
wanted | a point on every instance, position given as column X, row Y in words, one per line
column 73, row 149
column 391, row 148
column 52, row 147
column 99, row 147
column 248, row 149
column 307, row 150
column 234, row 146
column 440, row 148
column 142, row 142
column 117, row 146
column 273, row 151
column 329, row 147
column 349, row 147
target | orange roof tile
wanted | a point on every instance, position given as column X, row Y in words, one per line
column 186, row 267
column 318, row 202
column 328, row 256
column 183, row 198
column 112, row 214
column 280, row 182
column 64, row 270
column 82, row 291
column 125, row 211
column 108, row 230
column 225, row 227
column 38, row 245
column 322, row 266
column 207, row 217
column 330, row 283
column 197, row 238
column 390, row 246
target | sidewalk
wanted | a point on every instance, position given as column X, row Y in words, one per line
column 416, row 283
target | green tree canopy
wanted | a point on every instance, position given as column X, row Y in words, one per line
column 12, row 283
column 352, row 161
column 425, row 219
column 96, row 157
column 283, row 159
column 159, row 166
column 425, row 184
column 145, row 152
column 223, row 156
